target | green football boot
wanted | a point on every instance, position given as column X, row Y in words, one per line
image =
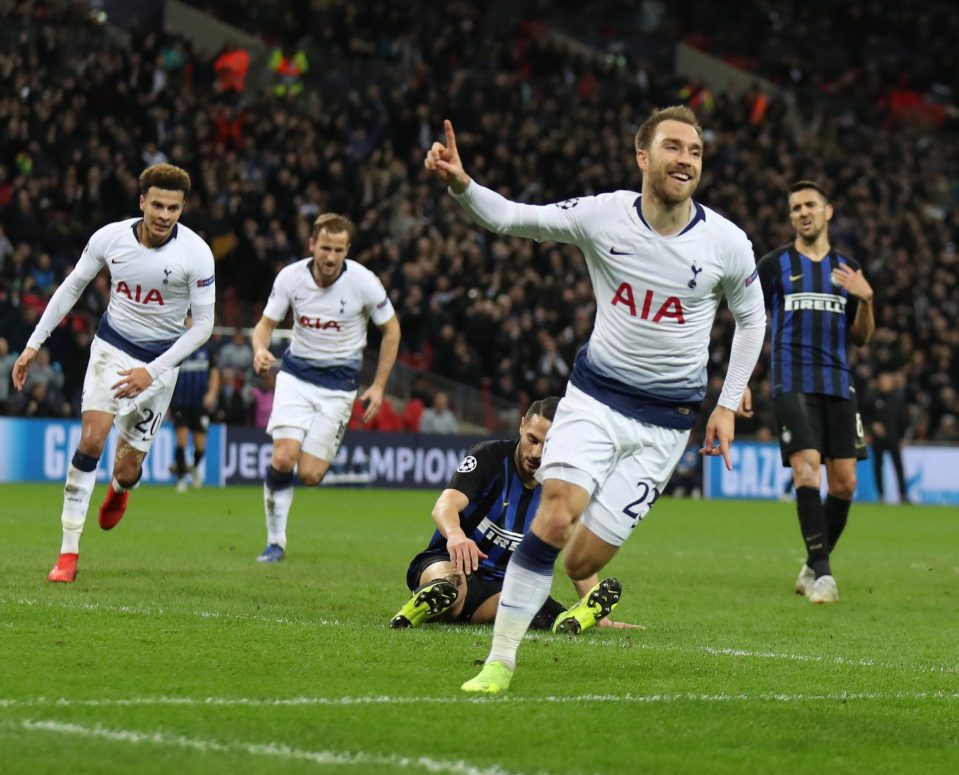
column 596, row 604
column 428, row 602
column 492, row 679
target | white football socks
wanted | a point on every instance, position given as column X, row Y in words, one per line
column 276, row 504
column 76, row 501
column 524, row 593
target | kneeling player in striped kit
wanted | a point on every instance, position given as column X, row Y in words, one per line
column 480, row 519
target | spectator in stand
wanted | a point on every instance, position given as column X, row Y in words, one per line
column 231, row 67
column 885, row 413
column 288, row 64
column 7, row 359
column 263, row 389
column 233, row 404
column 948, row 431
column 6, row 246
column 44, row 277
column 439, row 418
column 47, row 373
column 61, row 190
column 40, row 401
column 552, row 366
column 237, row 355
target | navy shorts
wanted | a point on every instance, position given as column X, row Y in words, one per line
column 197, row 420
column 829, row 424
column 478, row 589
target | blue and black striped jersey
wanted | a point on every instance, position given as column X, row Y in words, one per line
column 501, row 507
column 810, row 323
column 194, row 380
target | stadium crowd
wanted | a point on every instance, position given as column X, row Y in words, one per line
column 84, row 111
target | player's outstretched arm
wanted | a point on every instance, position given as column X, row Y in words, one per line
column 444, row 161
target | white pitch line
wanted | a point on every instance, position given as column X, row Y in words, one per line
column 732, row 652
column 275, row 750
column 628, row 698
column 532, row 637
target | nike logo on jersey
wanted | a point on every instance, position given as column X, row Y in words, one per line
column 615, row 252
column 114, row 261
column 794, row 277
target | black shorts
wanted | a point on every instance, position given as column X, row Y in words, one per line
column 197, row 420
column 829, row 424
column 478, row 590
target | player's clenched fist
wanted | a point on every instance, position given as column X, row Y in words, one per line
column 263, row 361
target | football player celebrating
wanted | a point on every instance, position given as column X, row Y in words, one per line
column 159, row 271
column 659, row 264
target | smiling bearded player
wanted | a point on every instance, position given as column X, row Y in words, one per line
column 659, row 263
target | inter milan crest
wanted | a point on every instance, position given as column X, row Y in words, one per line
column 567, row 204
column 166, row 275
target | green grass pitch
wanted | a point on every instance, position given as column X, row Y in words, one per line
column 174, row 652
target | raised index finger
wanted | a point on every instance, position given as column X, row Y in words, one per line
column 450, row 135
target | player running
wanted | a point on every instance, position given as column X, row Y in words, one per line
column 659, row 263
column 159, row 270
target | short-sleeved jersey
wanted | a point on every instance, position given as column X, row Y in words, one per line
column 329, row 324
column 656, row 298
column 151, row 289
column 810, row 324
column 193, row 381
column 501, row 507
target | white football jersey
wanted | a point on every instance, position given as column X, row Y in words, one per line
column 656, row 296
column 329, row 324
column 151, row 289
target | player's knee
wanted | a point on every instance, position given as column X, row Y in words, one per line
column 843, row 488
column 807, row 476
column 92, row 442
column 282, row 461
column 554, row 528
column 557, row 510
